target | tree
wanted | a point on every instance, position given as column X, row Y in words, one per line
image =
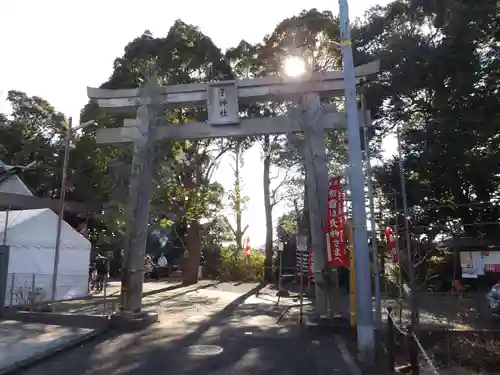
column 310, row 36
column 33, row 132
column 237, row 201
column 287, row 227
column 182, row 185
column 438, row 88
column 216, row 232
column 273, row 195
column 446, row 115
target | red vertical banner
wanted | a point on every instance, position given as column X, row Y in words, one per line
column 391, row 244
column 337, row 255
column 247, row 247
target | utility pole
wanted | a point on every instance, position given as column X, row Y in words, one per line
column 410, row 268
column 364, row 309
column 398, row 251
column 139, row 196
column 62, row 196
column 376, row 268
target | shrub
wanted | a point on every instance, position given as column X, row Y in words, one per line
column 236, row 266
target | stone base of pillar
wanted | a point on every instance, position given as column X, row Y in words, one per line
column 129, row 321
column 283, row 293
column 320, row 323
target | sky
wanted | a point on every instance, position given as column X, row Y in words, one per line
column 55, row 49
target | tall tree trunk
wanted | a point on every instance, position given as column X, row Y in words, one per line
column 192, row 261
column 239, row 234
column 268, row 263
column 193, row 236
column 238, row 200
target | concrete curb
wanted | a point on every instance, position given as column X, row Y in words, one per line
column 348, row 359
column 45, row 355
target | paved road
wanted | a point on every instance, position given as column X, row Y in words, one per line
column 244, row 328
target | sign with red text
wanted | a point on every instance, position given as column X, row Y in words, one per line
column 337, row 255
column 391, row 244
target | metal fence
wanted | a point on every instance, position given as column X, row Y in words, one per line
column 34, row 290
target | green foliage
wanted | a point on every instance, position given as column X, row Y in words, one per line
column 216, row 232
column 439, row 84
column 34, row 132
column 236, row 266
column 287, row 227
column 439, row 88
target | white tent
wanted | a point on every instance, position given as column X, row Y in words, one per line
column 31, row 235
column 13, row 185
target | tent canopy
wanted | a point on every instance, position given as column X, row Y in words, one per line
column 38, row 228
column 11, row 183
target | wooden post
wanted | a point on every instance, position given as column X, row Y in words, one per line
column 390, row 340
column 413, row 352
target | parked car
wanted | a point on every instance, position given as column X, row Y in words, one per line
column 494, row 299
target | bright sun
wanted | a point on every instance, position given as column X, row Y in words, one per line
column 294, row 66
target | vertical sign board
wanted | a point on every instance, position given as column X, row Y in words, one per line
column 222, row 103
column 4, row 269
column 303, row 263
column 336, row 255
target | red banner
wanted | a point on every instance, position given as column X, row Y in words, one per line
column 247, row 247
column 391, row 243
column 337, row 255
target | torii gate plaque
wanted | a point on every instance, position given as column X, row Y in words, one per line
column 222, row 102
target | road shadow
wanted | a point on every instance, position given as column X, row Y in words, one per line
column 247, row 347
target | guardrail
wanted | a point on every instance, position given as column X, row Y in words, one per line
column 410, row 339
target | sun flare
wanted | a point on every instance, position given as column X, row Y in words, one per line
column 294, row 66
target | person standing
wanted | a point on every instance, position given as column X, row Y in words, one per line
column 101, row 265
column 162, row 265
column 149, row 268
column 91, row 275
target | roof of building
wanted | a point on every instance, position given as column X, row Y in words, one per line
column 470, row 243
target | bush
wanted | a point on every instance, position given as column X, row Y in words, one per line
column 236, row 266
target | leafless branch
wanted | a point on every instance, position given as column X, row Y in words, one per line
column 209, row 172
column 230, row 226
column 424, row 258
column 274, row 193
column 271, row 178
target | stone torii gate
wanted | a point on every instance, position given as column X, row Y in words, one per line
column 147, row 125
